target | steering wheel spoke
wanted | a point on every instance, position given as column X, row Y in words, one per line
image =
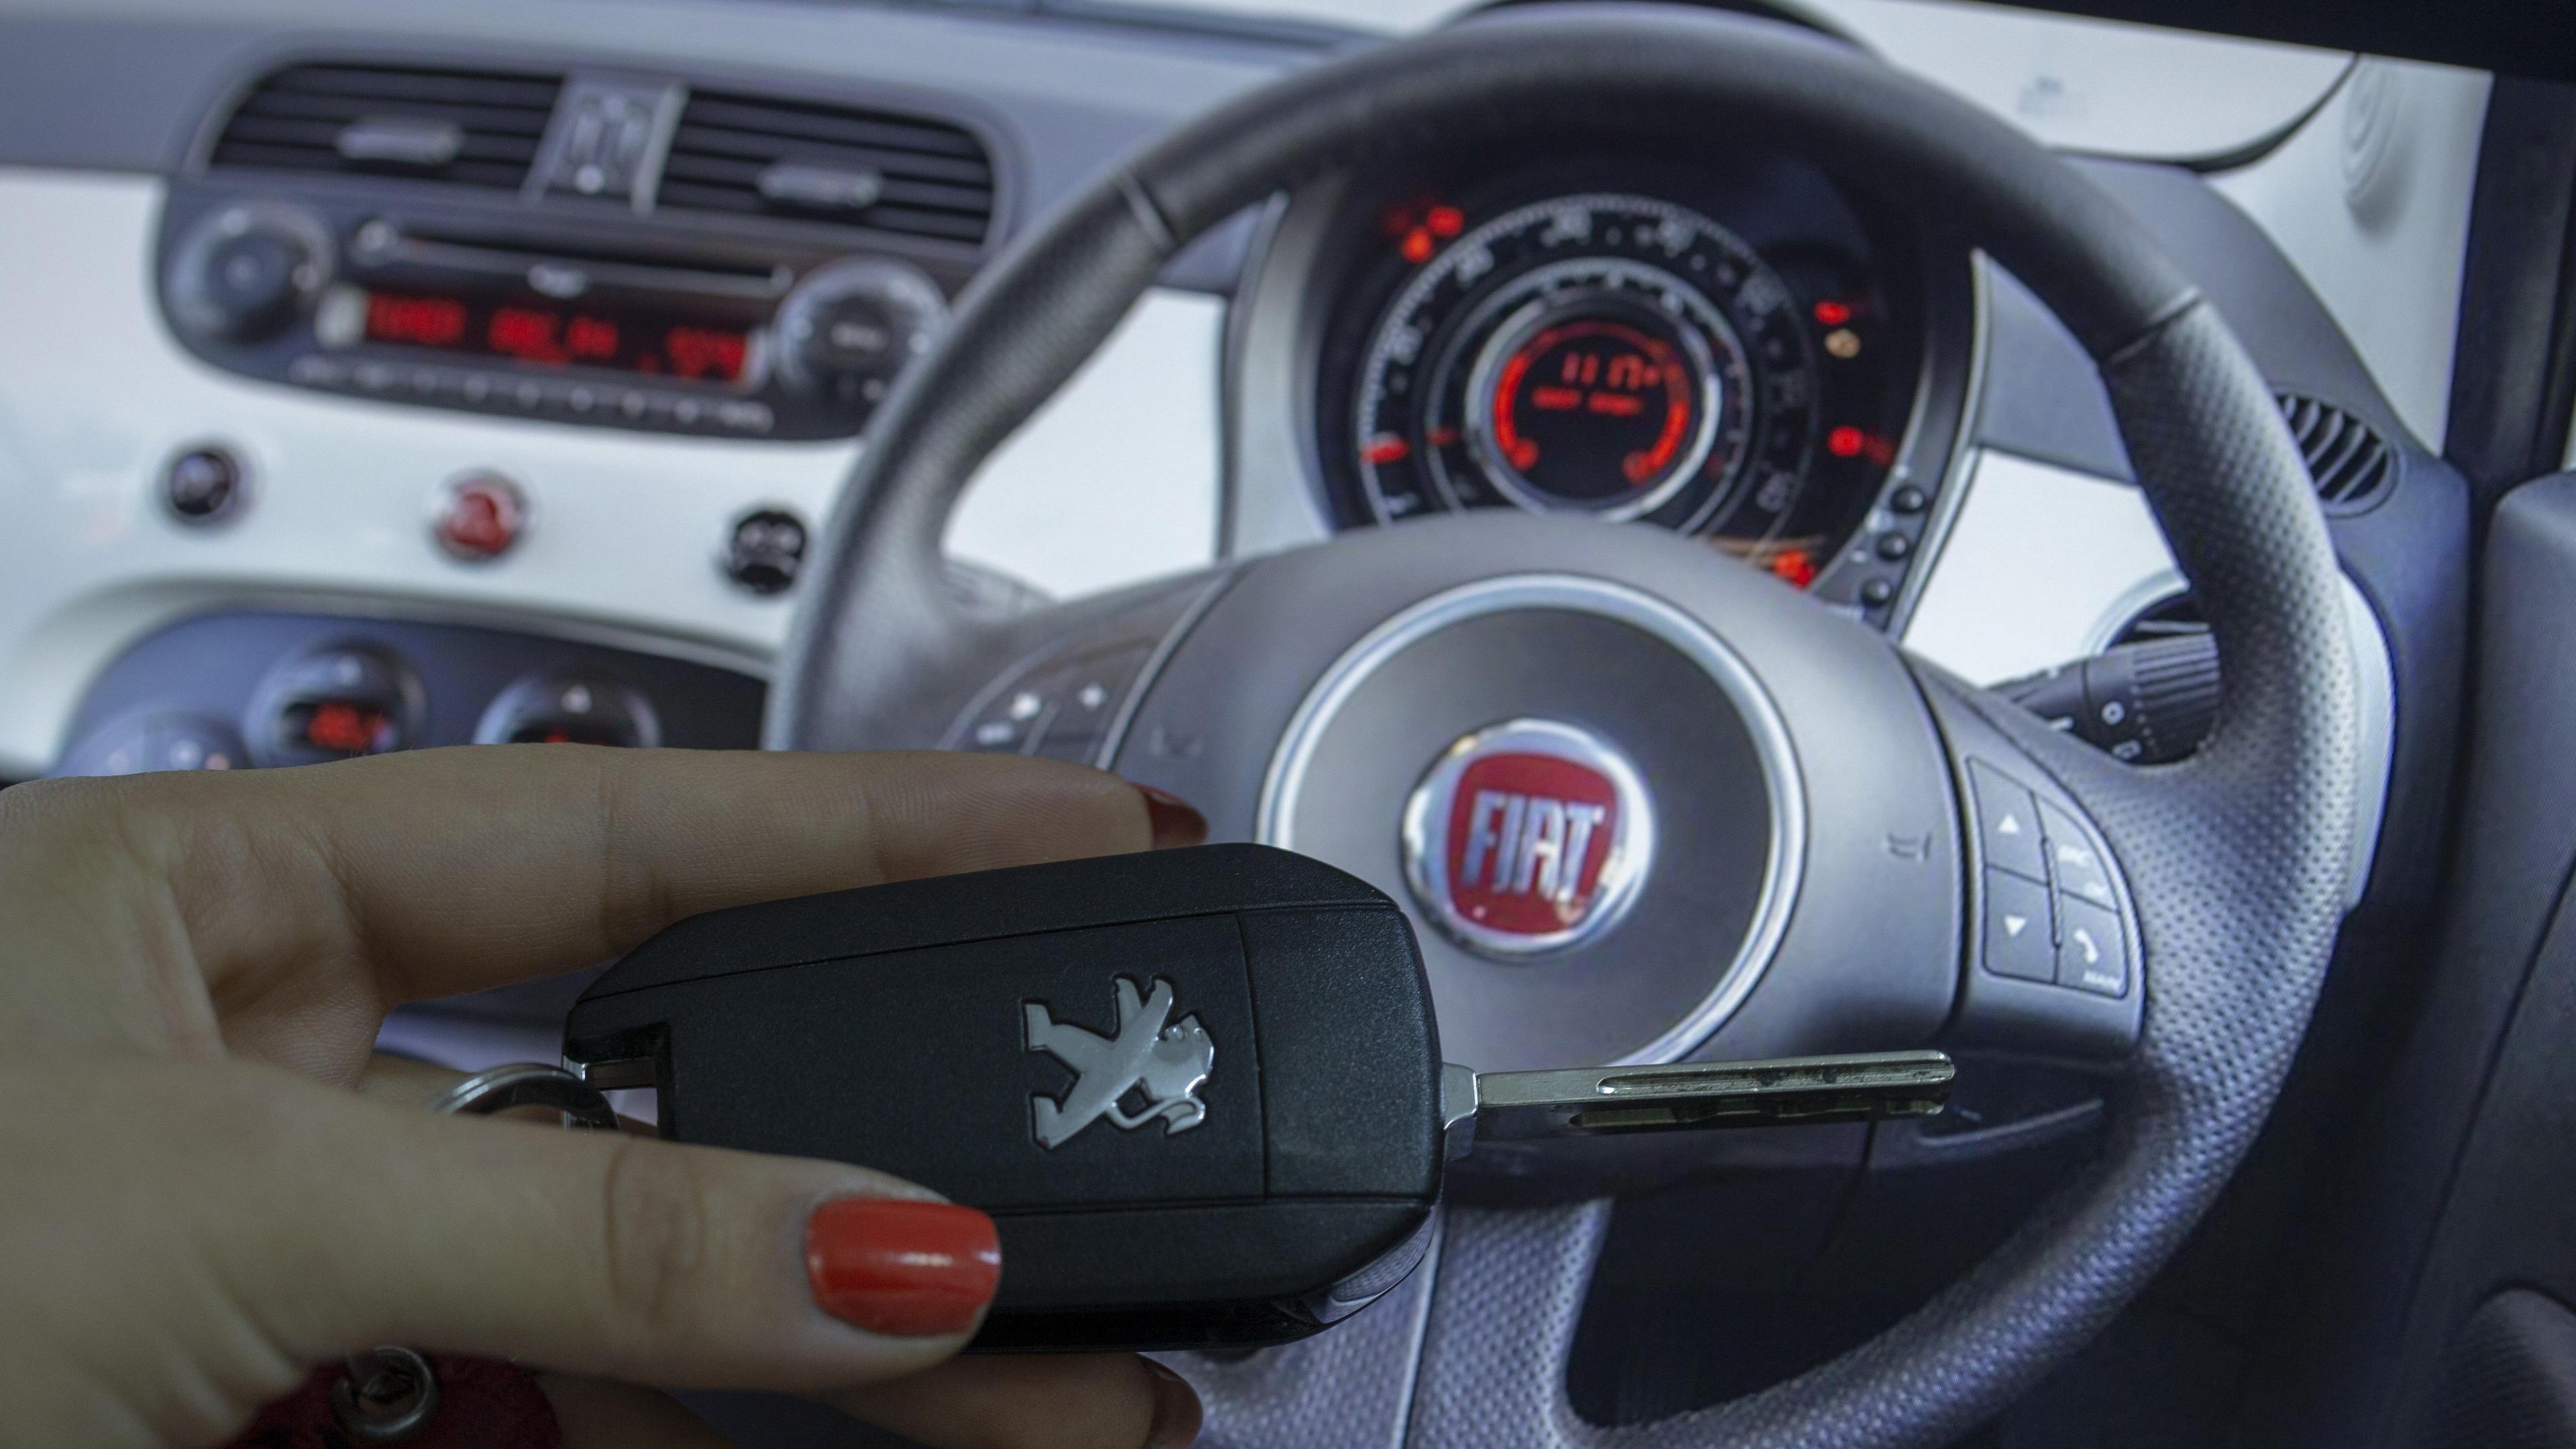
column 2054, row 954
column 1071, row 676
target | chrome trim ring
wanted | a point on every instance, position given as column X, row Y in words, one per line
column 1284, row 783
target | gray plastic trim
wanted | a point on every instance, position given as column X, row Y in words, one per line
column 1284, row 782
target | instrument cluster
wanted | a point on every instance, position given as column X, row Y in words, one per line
column 1730, row 346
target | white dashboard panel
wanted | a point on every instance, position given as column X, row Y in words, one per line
column 2370, row 201
column 1114, row 481
column 626, row 528
column 2038, row 558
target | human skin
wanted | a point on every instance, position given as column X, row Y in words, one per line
column 209, row 1184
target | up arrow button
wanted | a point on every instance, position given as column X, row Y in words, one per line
column 2005, row 821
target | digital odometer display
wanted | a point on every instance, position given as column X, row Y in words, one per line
column 544, row 334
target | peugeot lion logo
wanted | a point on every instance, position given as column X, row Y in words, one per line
column 1529, row 836
column 1164, row 1064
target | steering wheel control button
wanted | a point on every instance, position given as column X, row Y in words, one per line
column 1529, row 836
column 765, row 550
column 2019, row 940
column 205, row 485
column 1083, row 703
column 1198, row 1090
column 335, row 704
column 2075, row 862
column 2091, row 953
column 481, row 517
column 2008, row 825
column 1060, row 711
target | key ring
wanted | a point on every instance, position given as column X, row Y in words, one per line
column 529, row 1084
column 388, row 1394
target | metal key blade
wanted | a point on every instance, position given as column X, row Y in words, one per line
column 1691, row 1096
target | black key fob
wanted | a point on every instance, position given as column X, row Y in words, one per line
column 1198, row 1090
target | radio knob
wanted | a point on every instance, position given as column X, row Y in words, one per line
column 852, row 325
column 246, row 272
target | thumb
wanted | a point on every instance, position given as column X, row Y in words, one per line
column 599, row 1253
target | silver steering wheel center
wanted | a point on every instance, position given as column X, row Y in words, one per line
column 1587, row 796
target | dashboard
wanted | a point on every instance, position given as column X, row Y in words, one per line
column 413, row 382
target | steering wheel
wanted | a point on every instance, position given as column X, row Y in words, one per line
column 1838, row 872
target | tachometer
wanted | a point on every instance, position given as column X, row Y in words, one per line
column 1611, row 355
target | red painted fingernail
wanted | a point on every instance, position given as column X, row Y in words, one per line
column 902, row 1267
column 1175, row 820
column 1176, row 1411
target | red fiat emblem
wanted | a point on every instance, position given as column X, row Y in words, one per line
column 1529, row 836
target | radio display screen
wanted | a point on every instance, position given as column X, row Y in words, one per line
column 652, row 344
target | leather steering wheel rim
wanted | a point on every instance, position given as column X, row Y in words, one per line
column 2236, row 857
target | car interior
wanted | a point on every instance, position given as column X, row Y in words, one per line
column 1769, row 527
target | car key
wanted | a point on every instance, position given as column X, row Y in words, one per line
column 1199, row 1091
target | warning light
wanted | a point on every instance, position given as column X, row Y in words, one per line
column 1833, row 314
column 1420, row 226
column 1795, row 565
column 1851, row 442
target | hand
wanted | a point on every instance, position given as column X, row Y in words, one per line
column 199, row 1208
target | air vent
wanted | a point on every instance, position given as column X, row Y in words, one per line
column 766, row 157
column 2352, row 465
column 467, row 127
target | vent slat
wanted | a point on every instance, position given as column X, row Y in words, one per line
column 818, row 123
column 291, row 121
column 725, row 171
column 934, row 179
column 2350, row 463
column 379, row 85
column 489, row 119
column 716, row 141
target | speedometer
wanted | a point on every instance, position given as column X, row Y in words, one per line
column 1610, row 355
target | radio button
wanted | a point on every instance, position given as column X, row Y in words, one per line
column 767, row 548
column 204, row 485
column 747, row 417
column 482, row 518
column 317, row 372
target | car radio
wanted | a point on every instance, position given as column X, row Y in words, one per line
column 661, row 328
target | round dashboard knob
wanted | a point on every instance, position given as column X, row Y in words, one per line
column 852, row 325
column 246, row 272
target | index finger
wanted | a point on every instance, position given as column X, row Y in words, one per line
column 446, row 871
